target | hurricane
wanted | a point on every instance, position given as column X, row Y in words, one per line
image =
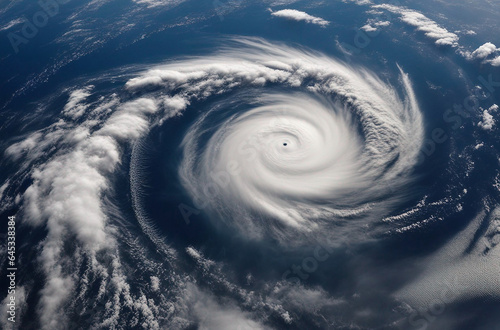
column 319, row 154
column 249, row 165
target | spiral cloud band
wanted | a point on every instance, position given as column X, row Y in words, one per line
column 331, row 143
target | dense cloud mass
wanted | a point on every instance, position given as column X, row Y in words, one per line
column 297, row 15
column 431, row 29
column 283, row 138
